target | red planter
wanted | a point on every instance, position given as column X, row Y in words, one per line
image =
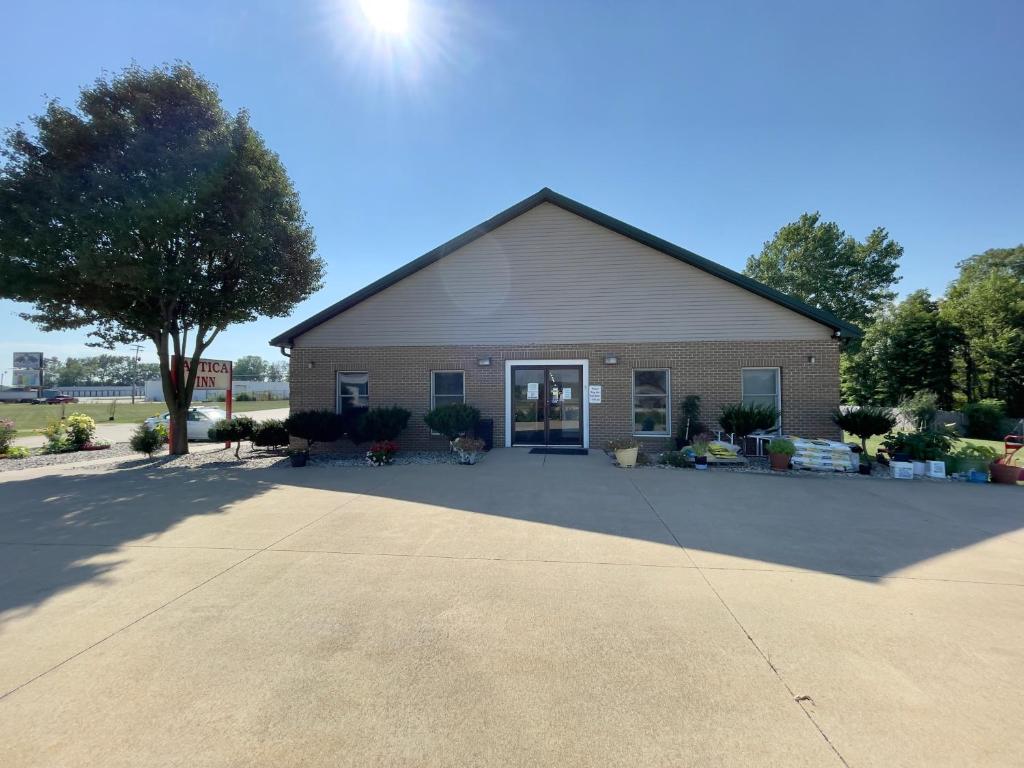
column 779, row 461
column 1004, row 473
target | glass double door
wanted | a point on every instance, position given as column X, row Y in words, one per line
column 547, row 405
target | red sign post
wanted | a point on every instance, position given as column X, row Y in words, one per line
column 212, row 374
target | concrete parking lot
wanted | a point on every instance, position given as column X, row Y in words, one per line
column 527, row 611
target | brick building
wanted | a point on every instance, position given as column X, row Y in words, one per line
column 568, row 327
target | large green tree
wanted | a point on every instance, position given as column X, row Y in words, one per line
column 250, row 368
column 817, row 262
column 987, row 302
column 150, row 212
column 909, row 347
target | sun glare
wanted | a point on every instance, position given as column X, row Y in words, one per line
column 389, row 17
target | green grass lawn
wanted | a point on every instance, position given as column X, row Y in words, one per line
column 29, row 419
column 876, row 441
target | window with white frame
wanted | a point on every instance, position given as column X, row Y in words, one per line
column 761, row 387
column 651, row 395
column 353, row 391
column 447, row 387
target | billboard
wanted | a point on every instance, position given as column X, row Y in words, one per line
column 27, row 379
column 28, row 360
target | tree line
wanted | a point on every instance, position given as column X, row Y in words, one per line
column 965, row 346
column 121, row 370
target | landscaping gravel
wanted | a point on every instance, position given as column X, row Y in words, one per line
column 77, row 457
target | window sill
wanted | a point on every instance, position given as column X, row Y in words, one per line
column 651, row 434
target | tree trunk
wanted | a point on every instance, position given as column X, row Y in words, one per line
column 179, row 420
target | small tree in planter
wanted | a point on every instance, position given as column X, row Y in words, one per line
column 317, row 426
column 780, row 451
column 625, row 450
column 865, row 423
column 452, row 420
column 469, row 449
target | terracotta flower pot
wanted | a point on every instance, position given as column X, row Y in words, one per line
column 1007, row 474
column 779, row 461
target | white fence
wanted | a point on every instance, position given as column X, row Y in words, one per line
column 256, row 390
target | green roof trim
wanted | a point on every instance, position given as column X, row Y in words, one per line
column 546, row 195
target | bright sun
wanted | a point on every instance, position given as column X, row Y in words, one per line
column 390, row 17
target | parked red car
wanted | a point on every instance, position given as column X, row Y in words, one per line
column 60, row 400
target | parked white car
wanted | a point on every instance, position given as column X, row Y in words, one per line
column 199, row 421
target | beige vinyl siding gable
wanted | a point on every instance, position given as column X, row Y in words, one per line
column 550, row 276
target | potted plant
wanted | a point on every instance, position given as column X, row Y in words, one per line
column 699, row 445
column 1004, row 472
column 298, row 456
column 864, row 468
column 470, row 449
column 625, row 450
column 780, row 451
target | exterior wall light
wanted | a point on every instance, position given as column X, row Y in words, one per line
column 483, row 361
column 610, row 359
column 810, row 359
column 311, row 363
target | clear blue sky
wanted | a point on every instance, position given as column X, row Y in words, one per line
column 709, row 124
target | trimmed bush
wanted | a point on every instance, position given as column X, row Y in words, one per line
column 742, row 420
column 147, row 441
column 316, row 426
column 453, row 419
column 865, row 423
column 985, row 419
column 270, row 434
column 16, row 452
column 383, row 424
column 233, row 430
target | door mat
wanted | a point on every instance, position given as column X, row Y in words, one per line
column 561, row 451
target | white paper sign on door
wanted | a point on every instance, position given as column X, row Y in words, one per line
column 567, row 393
column 532, row 390
column 594, row 394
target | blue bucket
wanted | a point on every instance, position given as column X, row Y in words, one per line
column 974, row 476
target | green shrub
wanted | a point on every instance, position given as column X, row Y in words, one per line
column 270, row 434
column 382, row 424
column 453, row 419
column 147, row 441
column 985, row 419
column 782, row 446
column 57, row 438
column 927, row 445
column 316, row 426
column 16, row 452
column 7, row 434
column 865, row 423
column 673, row 459
column 742, row 420
column 920, row 409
